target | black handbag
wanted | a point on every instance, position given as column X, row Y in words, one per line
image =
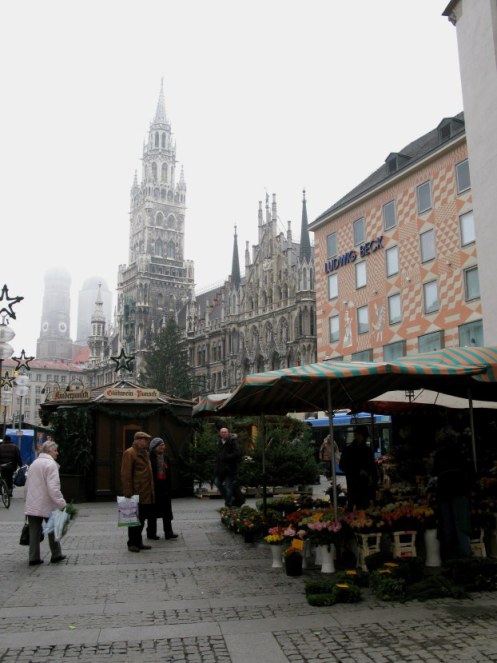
column 24, row 540
column 20, row 476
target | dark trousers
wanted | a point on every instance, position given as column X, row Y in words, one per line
column 145, row 511
column 35, row 524
column 226, row 487
column 152, row 526
column 8, row 475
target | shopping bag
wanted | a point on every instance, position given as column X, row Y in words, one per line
column 61, row 518
column 24, row 540
column 127, row 511
column 20, row 476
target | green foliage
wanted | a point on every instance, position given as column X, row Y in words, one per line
column 202, row 455
column 435, row 587
column 475, row 574
column 320, row 600
column 386, row 587
column 72, row 430
column 166, row 365
column 337, row 593
column 319, row 586
column 354, row 577
column 410, row 568
column 286, row 465
column 377, row 560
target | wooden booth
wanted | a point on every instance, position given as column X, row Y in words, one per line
column 93, row 427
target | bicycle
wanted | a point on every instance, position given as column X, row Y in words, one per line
column 4, row 490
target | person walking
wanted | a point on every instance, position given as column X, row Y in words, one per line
column 10, row 458
column 226, row 466
column 358, row 463
column 42, row 496
column 137, row 479
column 326, row 451
column 162, row 508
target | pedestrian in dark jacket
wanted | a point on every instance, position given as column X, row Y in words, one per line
column 226, row 467
column 137, row 479
column 162, row 508
column 358, row 463
column 10, row 456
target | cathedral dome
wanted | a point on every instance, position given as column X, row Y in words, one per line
column 59, row 274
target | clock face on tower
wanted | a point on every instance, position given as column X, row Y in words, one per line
column 44, row 326
column 62, row 327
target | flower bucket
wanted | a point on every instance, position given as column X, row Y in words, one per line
column 293, row 565
column 277, row 562
column 432, row 546
column 249, row 536
column 327, row 558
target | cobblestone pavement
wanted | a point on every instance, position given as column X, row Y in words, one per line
column 206, row 597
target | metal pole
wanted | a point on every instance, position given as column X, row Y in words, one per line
column 333, row 465
column 264, row 479
column 472, row 424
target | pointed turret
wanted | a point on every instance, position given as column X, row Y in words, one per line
column 235, row 267
column 305, row 242
column 160, row 113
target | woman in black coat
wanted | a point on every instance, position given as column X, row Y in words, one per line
column 162, row 486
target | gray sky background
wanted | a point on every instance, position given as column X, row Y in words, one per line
column 267, row 96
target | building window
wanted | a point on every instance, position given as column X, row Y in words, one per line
column 334, row 328
column 431, row 342
column 462, row 176
column 427, row 244
column 389, row 217
column 332, row 286
column 394, row 309
column 467, row 226
column 471, row 283
column 360, row 274
column 393, row 351
column 392, row 260
column 362, row 320
column 423, row 193
column 364, row 355
column 430, row 296
column 331, row 245
column 471, row 334
column 359, row 234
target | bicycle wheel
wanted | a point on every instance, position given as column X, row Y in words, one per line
column 5, row 494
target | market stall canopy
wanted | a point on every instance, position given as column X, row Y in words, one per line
column 330, row 385
column 398, row 402
column 209, row 404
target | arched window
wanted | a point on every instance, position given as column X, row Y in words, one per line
column 154, row 171
column 156, row 139
column 158, row 247
column 170, row 249
column 159, row 219
column 164, row 172
column 163, row 140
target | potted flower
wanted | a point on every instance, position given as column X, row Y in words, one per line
column 293, row 561
column 324, row 532
column 275, row 539
column 250, row 524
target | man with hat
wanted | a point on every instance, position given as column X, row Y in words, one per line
column 137, row 479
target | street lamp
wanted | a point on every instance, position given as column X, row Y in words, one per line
column 75, row 384
column 6, row 335
column 21, row 389
column 6, row 395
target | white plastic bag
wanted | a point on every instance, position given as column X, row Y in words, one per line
column 127, row 511
column 56, row 523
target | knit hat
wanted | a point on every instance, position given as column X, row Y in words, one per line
column 155, row 443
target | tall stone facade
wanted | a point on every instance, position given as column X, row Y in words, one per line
column 55, row 342
column 262, row 321
column 157, row 281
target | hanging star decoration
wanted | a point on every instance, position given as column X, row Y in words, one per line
column 123, row 361
column 10, row 301
column 22, row 362
column 7, row 381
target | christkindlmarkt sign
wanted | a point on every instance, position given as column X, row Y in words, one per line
column 130, row 394
column 77, row 395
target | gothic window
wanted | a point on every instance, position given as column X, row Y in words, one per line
column 220, row 351
column 171, row 221
column 304, row 279
column 264, row 299
column 163, row 194
column 285, row 292
column 312, row 329
column 283, row 331
column 156, row 194
column 154, row 171
column 163, row 140
column 159, row 219
column 260, row 364
column 311, row 279
column 164, row 172
column 169, row 195
column 158, row 247
column 255, row 337
column 159, row 300
column 170, row 249
column 157, row 139
column 275, row 362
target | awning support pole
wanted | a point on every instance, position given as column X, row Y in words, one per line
column 333, row 459
column 472, row 425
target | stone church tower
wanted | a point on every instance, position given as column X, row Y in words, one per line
column 157, row 281
column 55, row 341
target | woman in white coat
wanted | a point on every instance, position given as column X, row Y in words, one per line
column 42, row 496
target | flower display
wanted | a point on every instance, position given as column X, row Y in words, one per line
column 275, row 536
column 321, row 528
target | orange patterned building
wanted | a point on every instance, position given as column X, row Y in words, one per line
column 396, row 260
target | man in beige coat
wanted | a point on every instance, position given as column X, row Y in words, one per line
column 137, row 479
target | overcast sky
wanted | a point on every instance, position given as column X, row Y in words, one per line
column 263, row 96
